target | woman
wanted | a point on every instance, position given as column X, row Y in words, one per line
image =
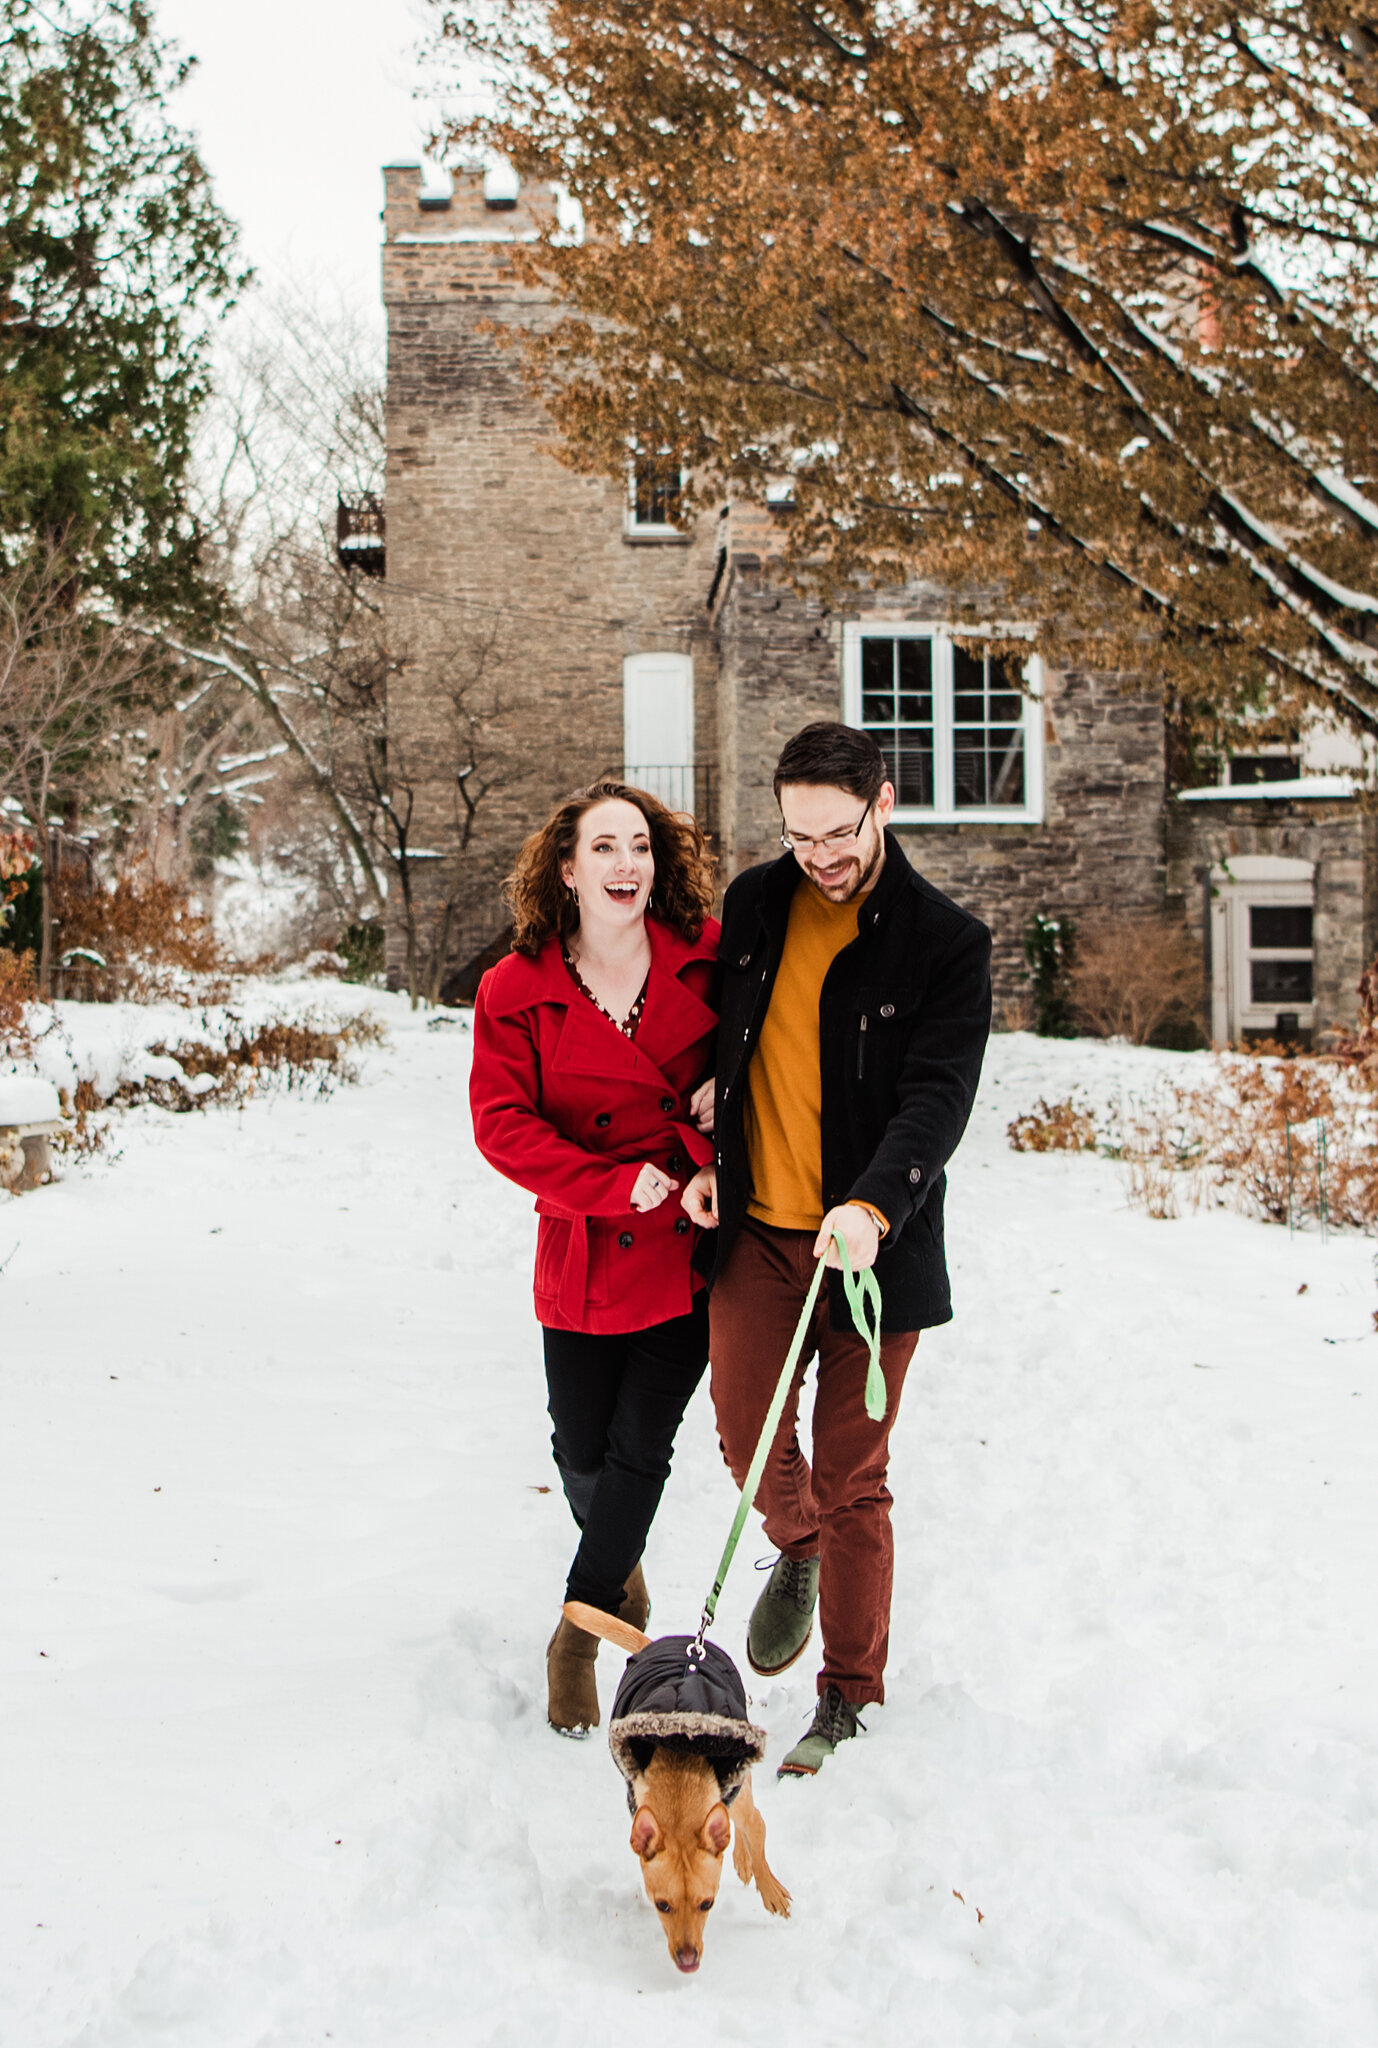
column 591, row 1042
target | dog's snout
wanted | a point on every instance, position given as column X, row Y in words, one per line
column 687, row 1959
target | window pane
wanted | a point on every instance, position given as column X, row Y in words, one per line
column 1007, row 765
column 915, row 665
column 988, row 767
column 912, row 768
column 1279, row 924
column 1279, row 981
column 878, row 674
column 656, row 493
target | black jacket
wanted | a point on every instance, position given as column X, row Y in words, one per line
column 667, row 1698
column 903, row 1019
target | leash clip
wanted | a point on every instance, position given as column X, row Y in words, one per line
column 694, row 1650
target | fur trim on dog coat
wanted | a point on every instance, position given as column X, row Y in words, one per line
column 665, row 1700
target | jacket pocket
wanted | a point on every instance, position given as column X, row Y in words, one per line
column 882, row 1014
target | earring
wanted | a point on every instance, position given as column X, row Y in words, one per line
column 573, row 893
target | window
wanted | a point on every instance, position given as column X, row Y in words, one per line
column 960, row 728
column 655, row 498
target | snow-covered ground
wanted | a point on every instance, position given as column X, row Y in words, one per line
column 279, row 1556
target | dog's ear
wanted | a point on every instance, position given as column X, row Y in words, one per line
column 646, row 1835
column 716, row 1832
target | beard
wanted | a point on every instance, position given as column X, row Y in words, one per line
column 863, row 866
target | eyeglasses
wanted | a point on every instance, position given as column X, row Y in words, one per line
column 846, row 835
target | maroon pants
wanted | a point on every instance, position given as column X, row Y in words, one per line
column 838, row 1511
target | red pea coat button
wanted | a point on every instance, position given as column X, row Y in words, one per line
column 625, row 1239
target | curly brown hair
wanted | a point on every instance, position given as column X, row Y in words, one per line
column 540, row 902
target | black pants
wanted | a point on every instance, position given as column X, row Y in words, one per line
column 616, row 1403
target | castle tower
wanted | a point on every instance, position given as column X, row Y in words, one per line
column 558, row 620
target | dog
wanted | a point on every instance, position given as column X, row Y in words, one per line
column 680, row 1737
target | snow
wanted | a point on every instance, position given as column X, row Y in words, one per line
column 26, row 1099
column 1308, row 786
column 278, row 1569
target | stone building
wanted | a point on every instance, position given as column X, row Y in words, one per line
column 615, row 642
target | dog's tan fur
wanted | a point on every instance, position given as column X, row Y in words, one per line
column 681, row 1828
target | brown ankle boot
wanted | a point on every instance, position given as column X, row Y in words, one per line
column 572, row 1707
column 636, row 1601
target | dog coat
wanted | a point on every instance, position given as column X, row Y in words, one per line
column 665, row 1699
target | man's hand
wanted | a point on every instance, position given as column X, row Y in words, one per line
column 701, row 1105
column 700, row 1199
column 859, row 1230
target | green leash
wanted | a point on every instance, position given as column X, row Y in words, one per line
column 863, row 1292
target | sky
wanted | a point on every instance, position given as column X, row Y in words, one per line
column 296, row 105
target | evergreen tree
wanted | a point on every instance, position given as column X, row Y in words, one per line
column 114, row 259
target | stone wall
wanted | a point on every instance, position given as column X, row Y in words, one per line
column 511, row 583
column 1339, row 837
column 1097, row 855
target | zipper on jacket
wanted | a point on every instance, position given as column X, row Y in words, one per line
column 861, row 1049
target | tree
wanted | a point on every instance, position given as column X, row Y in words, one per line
column 70, row 688
column 1057, row 296
column 114, row 259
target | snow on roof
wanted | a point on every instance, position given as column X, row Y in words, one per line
column 1273, row 792
column 473, row 235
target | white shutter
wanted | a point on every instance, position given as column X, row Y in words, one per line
column 658, row 726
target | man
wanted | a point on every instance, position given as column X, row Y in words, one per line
column 855, row 1006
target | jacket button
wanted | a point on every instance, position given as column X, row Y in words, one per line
column 667, row 1104
column 915, row 1175
column 681, row 1225
column 887, row 1009
column 745, row 960
column 625, row 1239
column 602, row 1119
column 675, row 1163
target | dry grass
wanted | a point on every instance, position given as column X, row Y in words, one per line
column 1140, row 980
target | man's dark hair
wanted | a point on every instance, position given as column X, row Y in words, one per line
column 837, row 756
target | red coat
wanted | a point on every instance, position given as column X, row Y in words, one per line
column 568, row 1106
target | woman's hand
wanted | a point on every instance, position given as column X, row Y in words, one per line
column 700, row 1199
column 701, row 1105
column 651, row 1187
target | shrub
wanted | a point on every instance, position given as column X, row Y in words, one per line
column 17, row 991
column 363, row 948
column 145, row 936
column 1050, row 946
column 301, row 1055
column 1141, row 980
column 1054, row 1127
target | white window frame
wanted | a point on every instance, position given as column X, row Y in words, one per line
column 650, row 529
column 944, row 811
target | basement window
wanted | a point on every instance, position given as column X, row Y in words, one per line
column 960, row 727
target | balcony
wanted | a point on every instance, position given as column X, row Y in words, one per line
column 361, row 536
column 679, row 787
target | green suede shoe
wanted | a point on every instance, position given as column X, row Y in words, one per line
column 834, row 1720
column 782, row 1619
